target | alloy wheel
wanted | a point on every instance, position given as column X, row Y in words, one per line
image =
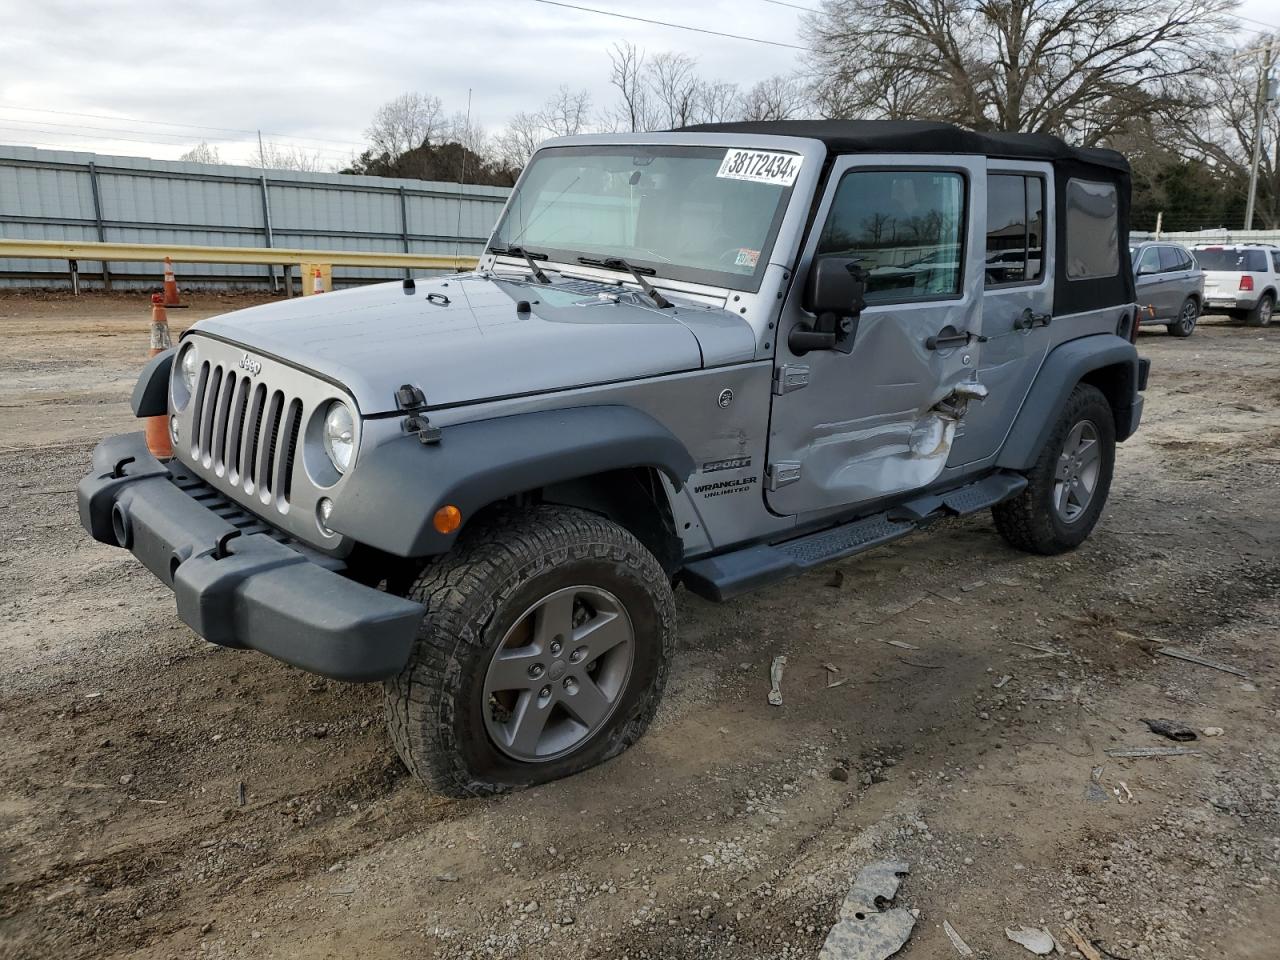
column 1079, row 466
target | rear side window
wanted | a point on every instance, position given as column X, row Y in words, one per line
column 1093, row 244
column 1015, row 229
column 1275, row 258
column 1232, row 261
column 1171, row 260
column 905, row 229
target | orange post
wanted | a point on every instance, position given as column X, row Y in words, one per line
column 317, row 282
column 158, row 441
column 170, row 285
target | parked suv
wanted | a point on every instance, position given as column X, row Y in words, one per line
column 1241, row 280
column 715, row 357
column 1170, row 286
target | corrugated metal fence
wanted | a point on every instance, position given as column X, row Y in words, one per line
column 63, row 195
column 1198, row 238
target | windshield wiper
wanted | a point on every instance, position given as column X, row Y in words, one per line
column 617, row 263
column 529, row 258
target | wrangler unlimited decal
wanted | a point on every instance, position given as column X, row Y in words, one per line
column 721, row 487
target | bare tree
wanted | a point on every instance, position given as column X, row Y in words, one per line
column 1223, row 132
column 635, row 112
column 673, row 82
column 776, row 98
column 274, row 156
column 410, row 120
column 566, row 112
column 516, row 142
column 464, row 130
column 202, row 153
column 717, row 101
column 1079, row 68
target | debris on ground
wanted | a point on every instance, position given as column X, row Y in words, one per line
column 775, row 680
column 1094, row 791
column 999, row 684
column 832, row 680
column 1213, row 731
column 1043, row 651
column 864, row 931
column 962, row 948
column 1036, row 939
column 1170, row 729
column 836, row 579
column 840, row 773
column 1151, row 752
column 1087, row 950
column 1123, row 793
column 1196, row 658
column 902, row 644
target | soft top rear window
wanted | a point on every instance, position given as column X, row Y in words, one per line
column 1227, row 259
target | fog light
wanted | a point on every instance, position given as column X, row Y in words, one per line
column 173, row 427
column 324, row 510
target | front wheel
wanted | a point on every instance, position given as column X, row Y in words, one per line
column 544, row 651
column 1068, row 485
column 1187, row 316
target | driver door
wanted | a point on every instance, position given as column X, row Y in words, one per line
column 849, row 428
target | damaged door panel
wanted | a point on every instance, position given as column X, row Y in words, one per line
column 882, row 418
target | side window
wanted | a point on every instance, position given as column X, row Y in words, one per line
column 905, row 227
column 1015, row 228
column 1093, row 246
column 1170, row 260
column 1275, row 259
column 1149, row 262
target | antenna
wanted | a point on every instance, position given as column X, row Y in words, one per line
column 462, row 179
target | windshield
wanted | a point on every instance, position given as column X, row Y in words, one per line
column 685, row 213
column 1231, row 260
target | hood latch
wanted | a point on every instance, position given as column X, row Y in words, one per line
column 412, row 400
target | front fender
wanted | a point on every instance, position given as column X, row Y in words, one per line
column 396, row 488
column 1064, row 367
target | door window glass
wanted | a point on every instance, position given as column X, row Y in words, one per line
column 904, row 227
column 1149, row 262
column 1093, row 245
column 1170, row 260
column 1015, row 228
column 1275, row 258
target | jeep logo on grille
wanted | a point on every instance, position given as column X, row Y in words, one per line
column 253, row 366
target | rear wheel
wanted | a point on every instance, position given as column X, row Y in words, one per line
column 1261, row 313
column 1187, row 316
column 1068, row 485
column 544, row 651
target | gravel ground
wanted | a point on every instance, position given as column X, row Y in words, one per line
column 730, row 831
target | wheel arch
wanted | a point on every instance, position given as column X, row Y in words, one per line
column 1105, row 361
column 599, row 458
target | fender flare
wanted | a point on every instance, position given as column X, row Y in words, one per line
column 1064, row 367
column 151, row 392
column 393, row 493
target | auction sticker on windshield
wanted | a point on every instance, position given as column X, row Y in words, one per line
column 761, row 166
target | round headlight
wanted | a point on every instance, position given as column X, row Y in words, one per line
column 339, row 435
column 188, row 368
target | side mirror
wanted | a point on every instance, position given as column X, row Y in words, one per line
column 837, row 294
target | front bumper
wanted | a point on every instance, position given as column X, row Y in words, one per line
column 236, row 583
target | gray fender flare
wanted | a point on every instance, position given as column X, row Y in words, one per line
column 395, row 489
column 151, row 392
column 1063, row 368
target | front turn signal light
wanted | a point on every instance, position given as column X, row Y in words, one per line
column 447, row 519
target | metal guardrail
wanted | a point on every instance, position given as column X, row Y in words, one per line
column 74, row 251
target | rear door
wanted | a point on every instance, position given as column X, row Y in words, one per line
column 1179, row 280
column 1150, row 282
column 1017, row 301
column 849, row 428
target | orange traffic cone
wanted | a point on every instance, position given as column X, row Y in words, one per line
column 317, row 282
column 170, row 285
column 158, row 440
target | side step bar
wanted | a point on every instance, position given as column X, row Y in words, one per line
column 732, row 574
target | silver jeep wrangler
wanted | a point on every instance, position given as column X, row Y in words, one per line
column 714, row 357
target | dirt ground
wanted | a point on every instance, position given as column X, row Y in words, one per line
column 125, row 738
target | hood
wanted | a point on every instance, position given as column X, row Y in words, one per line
column 461, row 339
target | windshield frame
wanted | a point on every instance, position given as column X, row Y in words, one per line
column 684, row 146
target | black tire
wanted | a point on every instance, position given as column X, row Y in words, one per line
column 1188, row 313
column 1260, row 315
column 1031, row 521
column 498, row 571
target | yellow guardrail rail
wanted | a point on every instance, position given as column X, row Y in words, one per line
column 180, row 253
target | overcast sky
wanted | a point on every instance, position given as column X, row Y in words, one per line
column 314, row 75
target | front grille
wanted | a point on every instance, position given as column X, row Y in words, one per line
column 245, row 432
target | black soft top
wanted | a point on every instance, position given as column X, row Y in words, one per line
column 920, row 136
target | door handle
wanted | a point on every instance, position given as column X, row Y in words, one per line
column 1029, row 319
column 947, row 338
